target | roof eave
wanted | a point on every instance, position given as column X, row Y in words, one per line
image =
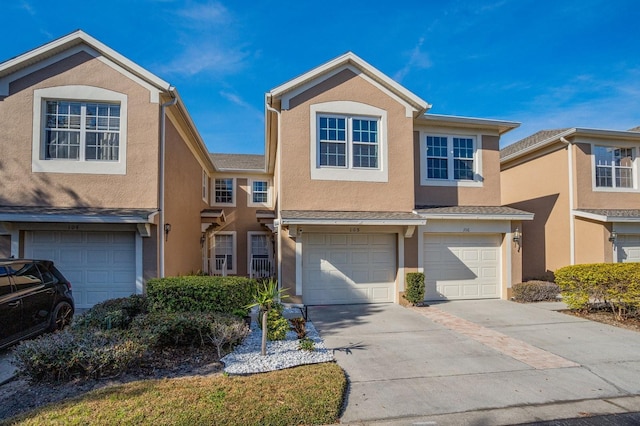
column 361, row 222
column 458, row 216
column 502, row 126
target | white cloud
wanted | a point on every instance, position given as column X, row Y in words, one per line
column 212, row 12
column 417, row 60
column 207, row 57
column 237, row 100
column 27, row 7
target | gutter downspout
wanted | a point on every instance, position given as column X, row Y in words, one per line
column 277, row 167
column 572, row 225
column 161, row 188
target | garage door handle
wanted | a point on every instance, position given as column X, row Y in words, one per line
column 14, row 304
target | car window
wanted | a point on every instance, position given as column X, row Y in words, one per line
column 47, row 276
column 5, row 284
column 26, row 275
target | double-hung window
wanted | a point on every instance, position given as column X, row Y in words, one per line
column 79, row 129
column 614, row 167
column 450, row 159
column 260, row 191
column 223, row 256
column 82, row 131
column 223, row 191
column 348, row 142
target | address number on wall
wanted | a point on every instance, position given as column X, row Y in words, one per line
column 354, row 230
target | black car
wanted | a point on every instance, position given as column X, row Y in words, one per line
column 34, row 298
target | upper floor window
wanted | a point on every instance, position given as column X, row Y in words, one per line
column 348, row 142
column 259, row 193
column 450, row 160
column 205, row 186
column 82, row 131
column 223, row 191
column 79, row 129
column 614, row 167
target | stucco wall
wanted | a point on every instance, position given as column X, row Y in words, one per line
column 183, row 204
column 592, row 242
column 137, row 189
column 242, row 219
column 541, row 186
column 486, row 195
column 586, row 197
column 299, row 192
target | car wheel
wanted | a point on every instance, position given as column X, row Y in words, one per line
column 62, row 314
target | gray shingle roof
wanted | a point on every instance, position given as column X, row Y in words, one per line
column 635, row 129
column 238, row 161
column 288, row 215
column 99, row 214
column 471, row 211
column 618, row 213
column 529, row 141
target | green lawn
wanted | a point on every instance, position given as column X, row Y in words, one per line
column 311, row 394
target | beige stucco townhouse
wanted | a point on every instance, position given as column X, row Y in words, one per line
column 583, row 186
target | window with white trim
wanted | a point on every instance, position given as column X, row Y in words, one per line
column 450, row 158
column 79, row 129
column 205, row 186
column 348, row 142
column 614, row 167
column 82, row 131
column 223, row 191
column 259, row 193
column 223, row 253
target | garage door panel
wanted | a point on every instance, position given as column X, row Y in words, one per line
column 628, row 248
column 100, row 265
column 348, row 268
column 464, row 266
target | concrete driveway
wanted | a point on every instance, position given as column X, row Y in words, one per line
column 480, row 362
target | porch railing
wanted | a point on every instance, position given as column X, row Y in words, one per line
column 260, row 267
column 218, row 266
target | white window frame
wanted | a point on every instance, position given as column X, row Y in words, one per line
column 250, row 234
column 234, row 253
column 233, row 191
column 450, row 181
column 250, row 202
column 205, row 186
column 634, row 168
column 76, row 93
column 349, row 110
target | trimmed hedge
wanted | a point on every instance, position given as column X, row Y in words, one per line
column 615, row 285
column 200, row 294
column 113, row 313
column 535, row 291
column 415, row 287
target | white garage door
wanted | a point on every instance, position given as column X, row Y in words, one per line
column 628, row 248
column 465, row 266
column 348, row 268
column 100, row 265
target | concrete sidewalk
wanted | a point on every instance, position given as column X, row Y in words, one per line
column 492, row 360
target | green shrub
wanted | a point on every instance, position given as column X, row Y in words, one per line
column 415, row 287
column 162, row 329
column 200, row 293
column 614, row 285
column 277, row 325
column 306, row 344
column 113, row 313
column 66, row 355
column 535, row 291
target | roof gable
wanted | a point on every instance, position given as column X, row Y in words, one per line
column 358, row 66
column 69, row 45
column 530, row 141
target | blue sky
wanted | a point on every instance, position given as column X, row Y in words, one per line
column 546, row 64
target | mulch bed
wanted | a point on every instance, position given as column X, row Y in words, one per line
column 20, row 395
column 607, row 317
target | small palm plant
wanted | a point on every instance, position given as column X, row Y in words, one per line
column 267, row 294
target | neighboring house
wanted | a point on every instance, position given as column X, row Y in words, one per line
column 369, row 187
column 583, row 186
column 82, row 171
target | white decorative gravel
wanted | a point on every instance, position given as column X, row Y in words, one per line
column 246, row 358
